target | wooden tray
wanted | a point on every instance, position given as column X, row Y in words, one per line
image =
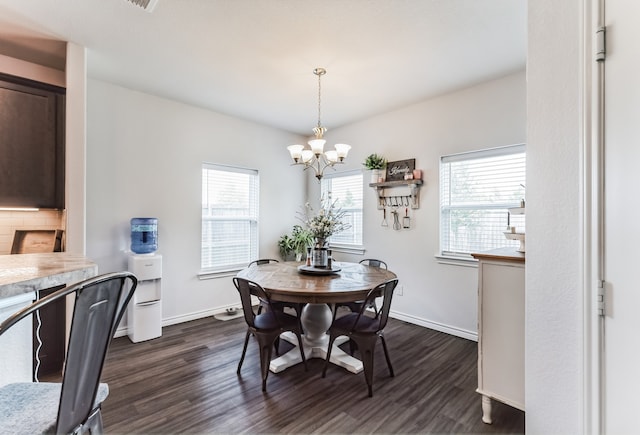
column 36, row 241
column 319, row 270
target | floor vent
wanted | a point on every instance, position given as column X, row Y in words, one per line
column 147, row 5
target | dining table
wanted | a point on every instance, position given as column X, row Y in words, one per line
column 318, row 289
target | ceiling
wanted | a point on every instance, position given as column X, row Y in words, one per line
column 254, row 59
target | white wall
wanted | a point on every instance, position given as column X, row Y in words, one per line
column 144, row 157
column 440, row 296
column 554, row 275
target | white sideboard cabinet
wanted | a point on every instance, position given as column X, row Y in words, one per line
column 501, row 282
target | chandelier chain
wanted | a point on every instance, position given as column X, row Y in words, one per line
column 319, row 99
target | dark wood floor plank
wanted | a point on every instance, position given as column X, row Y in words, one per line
column 186, row 382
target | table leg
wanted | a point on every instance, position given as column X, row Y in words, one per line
column 316, row 320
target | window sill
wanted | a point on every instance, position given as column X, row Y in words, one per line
column 356, row 250
column 202, row 275
column 457, row 261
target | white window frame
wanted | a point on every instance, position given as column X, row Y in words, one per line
column 250, row 216
column 498, row 206
column 357, row 226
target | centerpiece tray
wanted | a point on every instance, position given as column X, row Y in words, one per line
column 319, row 270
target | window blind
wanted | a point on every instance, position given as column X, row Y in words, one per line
column 346, row 189
column 229, row 217
column 476, row 189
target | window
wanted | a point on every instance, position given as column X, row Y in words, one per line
column 476, row 189
column 229, row 217
column 346, row 189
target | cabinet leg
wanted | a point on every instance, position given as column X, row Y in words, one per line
column 486, row 409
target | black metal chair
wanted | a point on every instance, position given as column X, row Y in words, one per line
column 72, row 406
column 266, row 327
column 354, row 307
column 365, row 330
column 263, row 261
column 279, row 306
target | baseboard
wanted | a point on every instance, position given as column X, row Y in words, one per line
column 123, row 330
column 462, row 333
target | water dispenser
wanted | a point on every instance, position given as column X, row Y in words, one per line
column 144, row 235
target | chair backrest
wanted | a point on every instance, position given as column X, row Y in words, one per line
column 248, row 288
column 374, row 262
column 384, row 290
column 100, row 303
column 263, row 261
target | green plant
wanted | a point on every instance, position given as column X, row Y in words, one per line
column 285, row 245
column 301, row 239
column 374, row 161
column 295, row 243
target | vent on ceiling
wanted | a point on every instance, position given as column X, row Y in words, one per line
column 147, row 5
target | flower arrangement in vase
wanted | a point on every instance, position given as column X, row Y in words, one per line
column 322, row 225
column 327, row 222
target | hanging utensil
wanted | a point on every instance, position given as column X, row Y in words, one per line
column 396, row 220
column 384, row 218
column 406, row 220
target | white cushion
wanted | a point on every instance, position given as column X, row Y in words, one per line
column 32, row 407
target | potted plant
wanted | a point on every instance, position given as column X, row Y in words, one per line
column 301, row 240
column 285, row 245
column 295, row 243
column 376, row 164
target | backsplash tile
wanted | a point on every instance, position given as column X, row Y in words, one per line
column 27, row 220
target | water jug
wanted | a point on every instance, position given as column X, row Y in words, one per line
column 144, row 235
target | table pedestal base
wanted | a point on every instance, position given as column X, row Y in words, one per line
column 316, row 320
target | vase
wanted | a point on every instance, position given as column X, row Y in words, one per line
column 320, row 258
column 375, row 175
column 319, row 255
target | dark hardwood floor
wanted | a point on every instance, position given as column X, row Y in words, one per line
column 186, row 382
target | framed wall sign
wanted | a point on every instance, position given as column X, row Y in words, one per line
column 397, row 169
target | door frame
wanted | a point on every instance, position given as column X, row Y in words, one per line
column 592, row 112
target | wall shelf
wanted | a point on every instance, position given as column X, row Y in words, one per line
column 384, row 200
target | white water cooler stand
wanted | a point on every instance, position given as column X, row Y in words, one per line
column 144, row 314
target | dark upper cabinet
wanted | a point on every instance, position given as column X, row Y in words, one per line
column 31, row 144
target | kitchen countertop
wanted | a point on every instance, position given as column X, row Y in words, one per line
column 504, row 254
column 24, row 273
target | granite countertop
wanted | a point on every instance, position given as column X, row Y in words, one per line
column 24, row 273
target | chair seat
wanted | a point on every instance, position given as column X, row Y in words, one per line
column 365, row 324
column 274, row 320
column 31, row 407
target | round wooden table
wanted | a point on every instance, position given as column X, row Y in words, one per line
column 284, row 282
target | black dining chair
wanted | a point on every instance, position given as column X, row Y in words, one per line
column 266, row 327
column 355, row 306
column 364, row 329
column 72, row 406
column 279, row 306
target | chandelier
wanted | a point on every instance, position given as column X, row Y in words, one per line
column 315, row 157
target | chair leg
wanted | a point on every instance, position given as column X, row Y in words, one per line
column 326, row 361
column 352, row 346
column 304, row 360
column 265, row 357
column 244, row 350
column 93, row 425
column 276, row 345
column 386, row 355
column 367, row 348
